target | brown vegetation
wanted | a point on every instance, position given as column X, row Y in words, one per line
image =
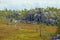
column 24, row 32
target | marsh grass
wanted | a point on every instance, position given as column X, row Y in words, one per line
column 24, row 32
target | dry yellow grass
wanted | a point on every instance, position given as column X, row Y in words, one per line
column 24, row 32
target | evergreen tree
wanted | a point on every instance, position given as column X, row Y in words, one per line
column 58, row 24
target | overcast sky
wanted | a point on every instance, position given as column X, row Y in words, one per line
column 28, row 4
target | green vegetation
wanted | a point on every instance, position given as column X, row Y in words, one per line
column 58, row 25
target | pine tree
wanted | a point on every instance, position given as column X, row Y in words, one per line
column 58, row 24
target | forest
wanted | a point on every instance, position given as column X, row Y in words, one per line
column 47, row 16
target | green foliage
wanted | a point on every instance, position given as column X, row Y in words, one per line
column 23, row 13
column 51, row 9
column 58, row 24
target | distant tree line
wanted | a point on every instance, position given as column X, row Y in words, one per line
column 39, row 15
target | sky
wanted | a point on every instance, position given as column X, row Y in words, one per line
column 28, row 4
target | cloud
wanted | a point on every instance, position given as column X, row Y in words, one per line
column 21, row 4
